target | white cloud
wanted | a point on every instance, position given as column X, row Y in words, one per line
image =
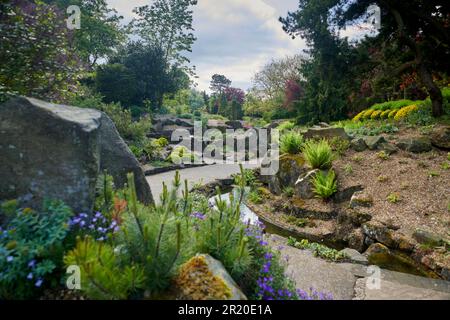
column 235, row 37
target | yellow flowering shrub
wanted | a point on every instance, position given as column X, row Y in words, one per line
column 358, row 116
column 367, row 113
column 392, row 114
column 376, row 114
column 404, row 112
column 385, row 114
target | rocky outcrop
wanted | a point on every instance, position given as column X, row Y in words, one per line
column 235, row 124
column 427, row 237
column 290, row 168
column 387, row 147
column 304, row 186
column 358, row 144
column 415, row 144
column 54, row 151
column 326, row 132
column 373, row 142
column 440, row 137
column 218, row 124
column 361, row 199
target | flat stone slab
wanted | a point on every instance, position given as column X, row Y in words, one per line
column 347, row 281
column 402, row 286
column 308, row 271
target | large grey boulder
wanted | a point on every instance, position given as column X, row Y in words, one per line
column 440, row 137
column 290, row 168
column 358, row 144
column 51, row 151
column 415, row 144
column 117, row 159
column 373, row 142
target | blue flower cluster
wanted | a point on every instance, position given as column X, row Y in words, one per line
column 267, row 289
column 30, row 276
column 98, row 225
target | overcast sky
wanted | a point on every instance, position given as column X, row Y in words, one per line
column 234, row 37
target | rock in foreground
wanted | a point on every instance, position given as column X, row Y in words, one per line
column 57, row 152
column 205, row 278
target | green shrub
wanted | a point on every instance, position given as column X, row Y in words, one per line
column 255, row 197
column 339, row 145
column 392, row 105
column 318, row 154
column 383, row 155
column 141, row 257
column 31, row 250
column 250, row 179
column 324, row 184
column 103, row 274
column 319, row 250
column 291, row 142
column 286, row 126
column 161, row 142
column 300, row 222
column 393, row 197
column 373, row 129
column 181, row 154
column 288, row 192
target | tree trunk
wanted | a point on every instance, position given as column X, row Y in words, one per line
column 433, row 90
column 425, row 75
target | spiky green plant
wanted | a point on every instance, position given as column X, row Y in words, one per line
column 324, row 184
column 318, row 154
column 291, row 142
column 104, row 273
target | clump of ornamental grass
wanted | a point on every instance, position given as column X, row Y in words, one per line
column 324, row 184
column 318, row 154
column 291, row 142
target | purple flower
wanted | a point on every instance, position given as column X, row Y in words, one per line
column 39, row 282
column 30, row 276
column 9, row 258
column 266, row 267
column 198, row 215
column 32, row 263
column 98, row 214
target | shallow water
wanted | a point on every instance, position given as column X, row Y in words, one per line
column 246, row 213
column 404, row 265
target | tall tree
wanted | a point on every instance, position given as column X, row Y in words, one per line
column 140, row 69
column 100, row 31
column 35, row 55
column 328, row 72
column 167, row 25
column 219, row 83
column 423, row 27
column 271, row 79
